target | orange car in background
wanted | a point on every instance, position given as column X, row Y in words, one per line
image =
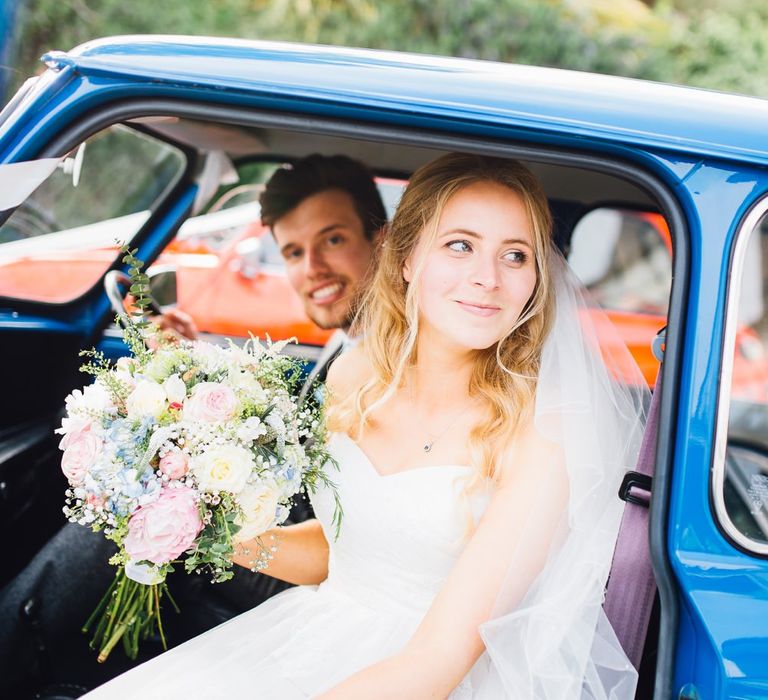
column 229, row 276
column 631, row 279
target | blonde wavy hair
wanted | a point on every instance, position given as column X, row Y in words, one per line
column 504, row 375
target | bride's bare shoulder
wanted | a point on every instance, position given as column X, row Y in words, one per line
column 350, row 371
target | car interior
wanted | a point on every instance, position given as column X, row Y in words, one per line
column 603, row 210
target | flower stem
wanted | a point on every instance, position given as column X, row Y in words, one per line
column 129, row 612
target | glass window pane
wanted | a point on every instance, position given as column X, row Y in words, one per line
column 58, row 243
column 746, row 464
column 624, row 259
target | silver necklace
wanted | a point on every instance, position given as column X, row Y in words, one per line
column 427, row 447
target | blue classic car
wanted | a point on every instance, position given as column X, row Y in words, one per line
column 132, row 136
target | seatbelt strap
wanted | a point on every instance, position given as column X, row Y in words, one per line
column 331, row 351
column 631, row 586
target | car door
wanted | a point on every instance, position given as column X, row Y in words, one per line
column 717, row 535
column 116, row 185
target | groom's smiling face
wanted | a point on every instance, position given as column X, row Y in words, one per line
column 327, row 256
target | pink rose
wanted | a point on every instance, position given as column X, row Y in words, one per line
column 161, row 531
column 72, row 428
column 174, row 464
column 82, row 450
column 211, row 402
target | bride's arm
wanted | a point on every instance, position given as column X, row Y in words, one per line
column 520, row 521
column 301, row 556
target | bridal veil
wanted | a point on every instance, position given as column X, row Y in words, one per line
column 554, row 640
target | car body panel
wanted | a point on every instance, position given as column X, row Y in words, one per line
column 576, row 103
column 708, row 149
column 719, row 196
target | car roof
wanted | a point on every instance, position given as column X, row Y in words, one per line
column 529, row 99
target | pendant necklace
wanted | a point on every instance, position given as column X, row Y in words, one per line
column 427, row 447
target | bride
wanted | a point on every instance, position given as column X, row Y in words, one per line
column 480, row 438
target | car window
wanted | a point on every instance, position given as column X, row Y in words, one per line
column 623, row 257
column 57, row 244
column 741, row 468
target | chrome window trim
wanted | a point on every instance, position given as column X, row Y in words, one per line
column 736, row 270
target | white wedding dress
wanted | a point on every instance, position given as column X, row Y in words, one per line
column 399, row 538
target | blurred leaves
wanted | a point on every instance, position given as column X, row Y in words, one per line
column 708, row 43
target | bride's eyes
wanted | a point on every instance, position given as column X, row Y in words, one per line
column 515, row 258
column 459, row 246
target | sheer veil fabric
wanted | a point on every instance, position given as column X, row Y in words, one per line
column 553, row 639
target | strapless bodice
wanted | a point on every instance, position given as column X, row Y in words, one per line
column 400, row 533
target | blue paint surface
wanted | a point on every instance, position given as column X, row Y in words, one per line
column 709, row 149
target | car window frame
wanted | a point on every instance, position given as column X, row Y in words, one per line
column 739, row 248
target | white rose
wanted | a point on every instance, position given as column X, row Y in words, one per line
column 259, row 504
column 224, row 468
column 175, row 389
column 246, row 383
column 147, row 399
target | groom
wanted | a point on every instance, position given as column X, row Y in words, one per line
column 325, row 213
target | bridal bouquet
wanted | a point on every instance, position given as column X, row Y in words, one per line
column 186, row 449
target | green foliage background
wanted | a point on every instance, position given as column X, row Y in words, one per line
column 720, row 44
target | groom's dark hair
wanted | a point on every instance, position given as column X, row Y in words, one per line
column 290, row 185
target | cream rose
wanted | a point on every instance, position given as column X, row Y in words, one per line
column 223, row 468
column 147, row 399
column 211, row 402
column 259, row 504
column 175, row 389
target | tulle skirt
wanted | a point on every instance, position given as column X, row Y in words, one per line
column 294, row 646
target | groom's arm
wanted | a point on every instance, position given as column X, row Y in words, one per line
column 301, row 555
